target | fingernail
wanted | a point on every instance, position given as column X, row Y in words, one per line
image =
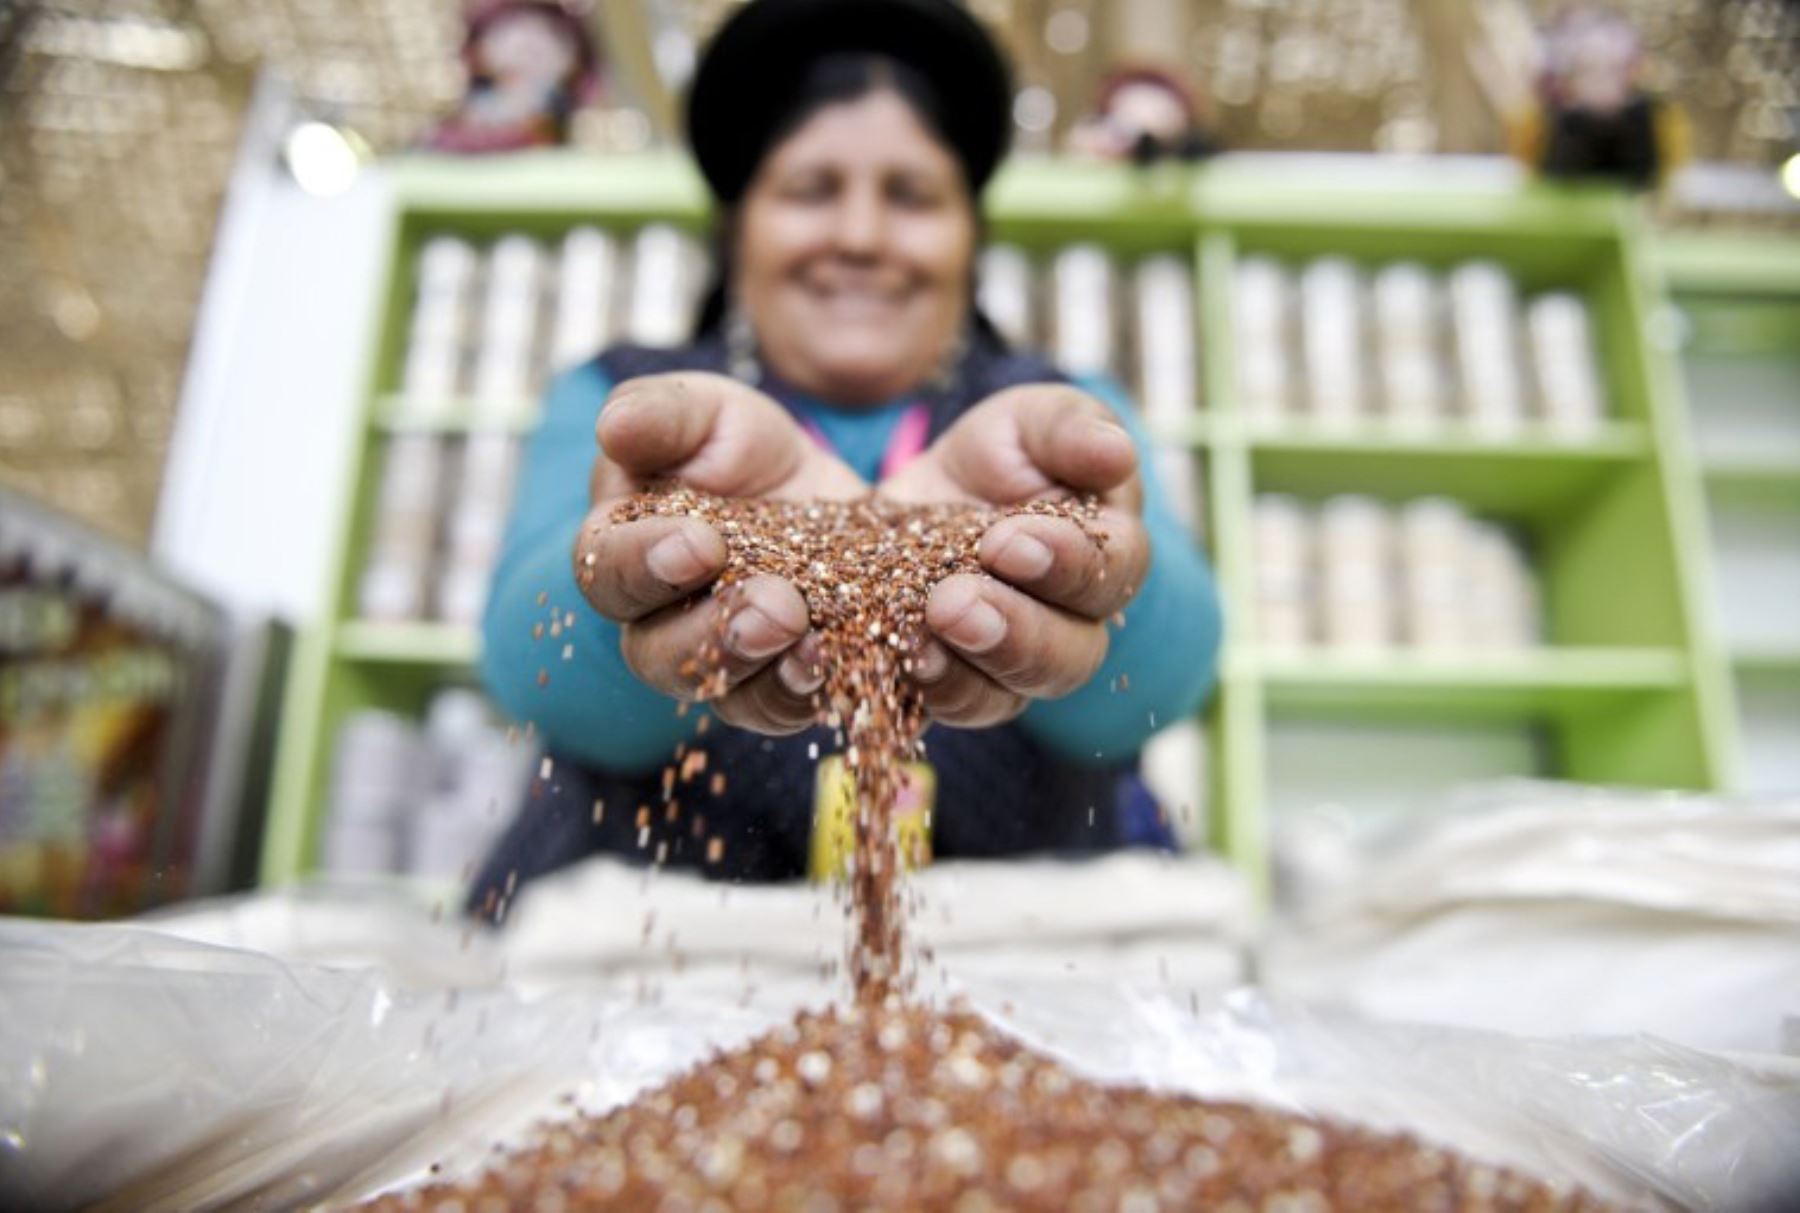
column 979, row 628
column 753, row 635
column 1102, row 429
column 1023, row 558
column 931, row 663
column 673, row 561
column 799, row 676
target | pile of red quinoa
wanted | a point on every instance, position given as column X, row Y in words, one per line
column 901, row 1107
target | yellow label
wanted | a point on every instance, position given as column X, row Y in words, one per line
column 834, row 817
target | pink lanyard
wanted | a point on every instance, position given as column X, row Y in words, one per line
column 905, row 444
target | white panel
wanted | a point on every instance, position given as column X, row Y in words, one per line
column 274, row 383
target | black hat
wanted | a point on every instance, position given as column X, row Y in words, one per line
column 745, row 79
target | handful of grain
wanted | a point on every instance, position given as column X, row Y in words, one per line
column 866, row 568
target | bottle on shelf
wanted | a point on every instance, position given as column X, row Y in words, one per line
column 1484, row 306
column 1006, row 292
column 439, row 329
column 1356, row 593
column 1261, row 303
column 1567, row 379
column 1083, row 290
column 1331, row 312
column 1408, row 312
column 1282, row 532
column 505, row 358
column 403, row 546
column 587, row 279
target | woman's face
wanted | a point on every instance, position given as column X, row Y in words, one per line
column 855, row 246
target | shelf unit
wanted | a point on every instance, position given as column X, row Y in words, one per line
column 1734, row 325
column 1632, row 688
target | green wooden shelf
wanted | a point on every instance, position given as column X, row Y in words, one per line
column 463, row 414
column 1612, row 441
column 1777, row 475
column 1635, row 683
column 1198, row 431
column 1559, row 682
column 1767, row 662
column 1534, row 478
column 422, row 644
column 1728, row 264
column 1738, row 300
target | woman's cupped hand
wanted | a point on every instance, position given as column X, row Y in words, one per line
column 1036, row 628
column 718, row 436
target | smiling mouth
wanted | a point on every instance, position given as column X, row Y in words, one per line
column 859, row 301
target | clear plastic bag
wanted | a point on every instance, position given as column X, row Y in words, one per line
column 1550, row 909
column 142, row 1072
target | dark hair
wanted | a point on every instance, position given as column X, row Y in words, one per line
column 831, row 79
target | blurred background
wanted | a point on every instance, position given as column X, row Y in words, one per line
column 1470, row 331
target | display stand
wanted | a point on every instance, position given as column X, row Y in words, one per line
column 1631, row 684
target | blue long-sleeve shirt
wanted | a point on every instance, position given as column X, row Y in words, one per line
column 570, row 681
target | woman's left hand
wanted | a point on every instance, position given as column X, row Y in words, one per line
column 1037, row 628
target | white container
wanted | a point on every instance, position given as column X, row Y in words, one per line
column 446, row 265
column 1569, row 395
column 1432, row 554
column 1283, row 530
column 1286, row 589
column 1503, row 591
column 1178, row 470
column 480, row 782
column 659, row 310
column 1167, row 371
column 509, row 321
column 1408, row 315
column 403, row 545
column 1174, row 769
column 1261, row 296
column 432, row 373
column 476, row 525
column 444, row 843
column 587, row 280
column 1356, row 591
column 456, row 719
column 1005, row 291
column 1484, row 308
column 376, row 764
column 364, row 849
column 446, row 271
column 1081, row 310
column 1331, row 313
column 378, row 772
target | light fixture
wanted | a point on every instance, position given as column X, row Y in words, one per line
column 1790, row 175
column 323, row 158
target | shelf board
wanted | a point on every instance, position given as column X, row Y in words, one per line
column 1773, row 660
column 455, row 415
column 438, row 644
column 1473, row 685
column 1197, row 429
column 1613, row 440
column 1729, row 264
column 520, row 185
column 1748, row 471
column 1533, row 475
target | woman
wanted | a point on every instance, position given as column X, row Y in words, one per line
column 846, row 143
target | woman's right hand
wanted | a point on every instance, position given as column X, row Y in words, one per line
column 718, row 436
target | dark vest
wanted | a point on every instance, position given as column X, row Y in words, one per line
column 999, row 792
